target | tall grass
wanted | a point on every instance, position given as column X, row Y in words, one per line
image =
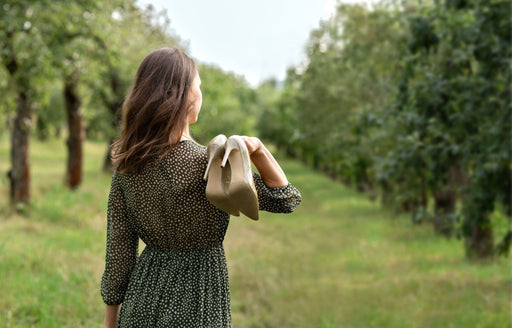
column 338, row 261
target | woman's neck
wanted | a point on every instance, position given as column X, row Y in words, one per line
column 186, row 134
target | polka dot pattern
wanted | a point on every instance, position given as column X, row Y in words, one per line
column 181, row 278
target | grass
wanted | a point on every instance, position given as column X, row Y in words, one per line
column 338, row 261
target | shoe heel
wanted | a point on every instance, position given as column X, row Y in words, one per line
column 215, row 149
column 229, row 149
column 210, row 160
column 241, row 190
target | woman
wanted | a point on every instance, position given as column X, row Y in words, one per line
column 158, row 195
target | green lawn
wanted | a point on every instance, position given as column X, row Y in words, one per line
column 338, row 261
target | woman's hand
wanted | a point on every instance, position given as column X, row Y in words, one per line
column 253, row 144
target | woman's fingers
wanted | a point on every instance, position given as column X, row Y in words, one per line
column 252, row 143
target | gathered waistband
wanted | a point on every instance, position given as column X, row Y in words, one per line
column 212, row 248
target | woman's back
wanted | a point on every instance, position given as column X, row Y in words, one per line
column 167, row 205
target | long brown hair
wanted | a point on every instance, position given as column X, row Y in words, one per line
column 155, row 110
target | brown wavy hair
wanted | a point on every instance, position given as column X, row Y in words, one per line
column 155, row 111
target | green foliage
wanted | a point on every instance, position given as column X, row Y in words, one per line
column 328, row 113
column 51, row 117
column 104, row 42
column 7, row 100
column 228, row 108
column 24, row 55
column 119, row 42
column 277, row 120
column 452, row 109
column 408, row 101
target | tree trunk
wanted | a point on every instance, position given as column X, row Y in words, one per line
column 444, row 207
column 480, row 243
column 386, row 199
column 445, row 200
column 19, row 175
column 114, row 105
column 75, row 130
column 424, row 196
column 108, row 166
column 290, row 151
column 420, row 212
column 315, row 161
column 477, row 226
column 41, row 129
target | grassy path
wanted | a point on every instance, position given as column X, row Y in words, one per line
column 339, row 261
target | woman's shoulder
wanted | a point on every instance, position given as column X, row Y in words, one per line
column 185, row 154
column 187, row 151
column 190, row 148
column 191, row 143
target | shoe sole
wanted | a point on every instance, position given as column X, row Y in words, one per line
column 242, row 194
column 215, row 192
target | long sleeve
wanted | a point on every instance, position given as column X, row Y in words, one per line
column 276, row 200
column 121, row 249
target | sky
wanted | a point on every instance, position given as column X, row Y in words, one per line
column 257, row 39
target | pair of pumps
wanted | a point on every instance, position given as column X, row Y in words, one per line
column 230, row 185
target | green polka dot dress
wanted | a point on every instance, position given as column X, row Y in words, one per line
column 181, row 278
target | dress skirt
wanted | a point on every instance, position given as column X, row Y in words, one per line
column 178, row 289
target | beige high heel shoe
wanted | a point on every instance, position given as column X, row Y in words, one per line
column 241, row 189
column 218, row 177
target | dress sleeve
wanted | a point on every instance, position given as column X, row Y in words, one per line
column 122, row 248
column 276, row 200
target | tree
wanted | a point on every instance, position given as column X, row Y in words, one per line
column 68, row 39
column 452, row 114
column 22, row 51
